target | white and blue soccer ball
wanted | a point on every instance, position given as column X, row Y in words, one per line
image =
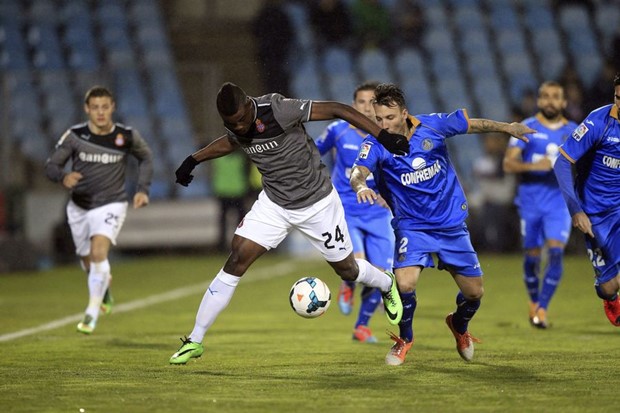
column 310, row 297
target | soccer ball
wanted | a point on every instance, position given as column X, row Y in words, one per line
column 310, row 297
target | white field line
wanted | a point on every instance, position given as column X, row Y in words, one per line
column 277, row 270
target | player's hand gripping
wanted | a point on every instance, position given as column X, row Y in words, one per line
column 184, row 172
column 393, row 142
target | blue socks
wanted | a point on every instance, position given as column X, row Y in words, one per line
column 553, row 274
column 371, row 297
column 465, row 311
column 406, row 323
column 531, row 267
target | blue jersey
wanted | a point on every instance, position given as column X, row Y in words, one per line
column 540, row 188
column 421, row 188
column 346, row 140
column 595, row 149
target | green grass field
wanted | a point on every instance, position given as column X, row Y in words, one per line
column 261, row 357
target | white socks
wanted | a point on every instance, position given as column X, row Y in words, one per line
column 372, row 277
column 215, row 299
column 98, row 282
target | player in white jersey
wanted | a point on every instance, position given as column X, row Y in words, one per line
column 297, row 194
column 429, row 208
column 98, row 152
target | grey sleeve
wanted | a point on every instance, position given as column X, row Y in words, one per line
column 55, row 164
column 141, row 151
column 289, row 112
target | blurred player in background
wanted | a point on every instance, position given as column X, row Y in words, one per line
column 98, row 152
column 545, row 221
column 593, row 195
column 429, row 208
column 297, row 194
column 368, row 227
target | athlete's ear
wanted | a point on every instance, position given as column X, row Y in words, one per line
column 405, row 112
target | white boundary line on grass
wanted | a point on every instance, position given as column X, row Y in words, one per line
column 277, row 270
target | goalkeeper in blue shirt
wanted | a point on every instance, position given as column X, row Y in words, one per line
column 429, row 208
column 368, row 227
column 593, row 195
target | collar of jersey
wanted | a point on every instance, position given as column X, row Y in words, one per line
column 415, row 122
column 546, row 122
column 614, row 112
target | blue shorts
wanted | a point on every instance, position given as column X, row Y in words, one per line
column 374, row 237
column 452, row 247
column 538, row 226
column 604, row 249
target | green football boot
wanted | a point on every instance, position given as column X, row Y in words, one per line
column 392, row 302
column 87, row 325
column 187, row 351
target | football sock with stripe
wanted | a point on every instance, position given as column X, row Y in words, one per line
column 371, row 297
column 465, row 311
column 371, row 276
column 410, row 302
column 98, row 282
column 531, row 267
column 553, row 274
column 215, row 299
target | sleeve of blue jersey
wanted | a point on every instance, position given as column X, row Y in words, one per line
column 450, row 124
column 584, row 137
column 326, row 140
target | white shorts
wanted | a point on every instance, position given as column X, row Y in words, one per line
column 322, row 224
column 106, row 220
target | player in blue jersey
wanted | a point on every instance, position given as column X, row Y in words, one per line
column 429, row 208
column 593, row 195
column 545, row 221
column 367, row 226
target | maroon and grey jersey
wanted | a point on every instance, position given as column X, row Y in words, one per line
column 102, row 160
column 293, row 175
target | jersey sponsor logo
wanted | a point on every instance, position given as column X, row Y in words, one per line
column 610, row 162
column 260, row 148
column 364, row 150
column 104, row 158
column 613, row 139
column 120, row 140
column 421, row 173
column 260, row 126
column 581, row 130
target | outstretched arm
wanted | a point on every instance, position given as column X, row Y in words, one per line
column 220, row 147
column 516, row 129
column 333, row 110
column 394, row 143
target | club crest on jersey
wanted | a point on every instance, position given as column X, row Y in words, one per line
column 260, row 126
column 427, row 144
column 364, row 150
column 120, row 140
column 581, row 130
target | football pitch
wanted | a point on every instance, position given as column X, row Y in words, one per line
column 261, row 357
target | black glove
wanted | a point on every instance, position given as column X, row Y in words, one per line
column 393, row 142
column 184, row 172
